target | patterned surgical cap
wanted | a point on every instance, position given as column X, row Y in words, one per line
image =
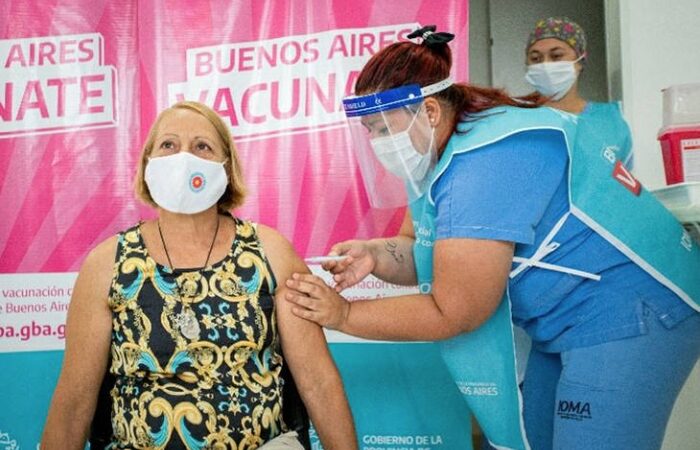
column 561, row 28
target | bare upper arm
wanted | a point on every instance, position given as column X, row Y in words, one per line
column 280, row 253
column 89, row 325
column 469, row 279
column 302, row 340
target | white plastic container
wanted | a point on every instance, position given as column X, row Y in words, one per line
column 682, row 199
column 681, row 105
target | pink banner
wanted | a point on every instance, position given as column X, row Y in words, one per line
column 85, row 82
column 69, row 121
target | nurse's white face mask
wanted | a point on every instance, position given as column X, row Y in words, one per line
column 184, row 183
column 553, row 79
column 399, row 156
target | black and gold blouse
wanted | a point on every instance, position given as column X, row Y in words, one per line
column 195, row 353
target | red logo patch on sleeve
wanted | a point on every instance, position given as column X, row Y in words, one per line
column 625, row 178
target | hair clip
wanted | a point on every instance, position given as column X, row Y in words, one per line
column 430, row 37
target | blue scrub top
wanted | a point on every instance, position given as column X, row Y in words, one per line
column 516, row 190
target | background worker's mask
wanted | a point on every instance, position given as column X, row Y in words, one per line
column 394, row 142
column 553, row 79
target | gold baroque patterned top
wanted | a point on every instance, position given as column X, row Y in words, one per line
column 217, row 389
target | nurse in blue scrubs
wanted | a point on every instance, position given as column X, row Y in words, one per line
column 556, row 56
column 514, row 215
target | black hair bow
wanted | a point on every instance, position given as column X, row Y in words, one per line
column 430, row 37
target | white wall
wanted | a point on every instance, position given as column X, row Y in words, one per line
column 479, row 43
column 660, row 46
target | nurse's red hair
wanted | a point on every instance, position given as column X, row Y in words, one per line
column 406, row 62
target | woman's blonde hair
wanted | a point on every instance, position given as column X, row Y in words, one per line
column 235, row 191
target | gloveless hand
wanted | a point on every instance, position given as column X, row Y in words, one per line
column 359, row 263
column 314, row 300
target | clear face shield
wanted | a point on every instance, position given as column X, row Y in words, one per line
column 394, row 142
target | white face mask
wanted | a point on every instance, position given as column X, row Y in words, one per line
column 553, row 79
column 398, row 155
column 183, row 183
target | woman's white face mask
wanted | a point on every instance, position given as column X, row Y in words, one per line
column 553, row 79
column 399, row 156
column 184, row 183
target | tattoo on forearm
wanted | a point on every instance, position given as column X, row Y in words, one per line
column 392, row 248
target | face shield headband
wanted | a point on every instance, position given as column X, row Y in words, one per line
column 357, row 106
column 393, row 140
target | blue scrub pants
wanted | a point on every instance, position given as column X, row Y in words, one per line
column 617, row 395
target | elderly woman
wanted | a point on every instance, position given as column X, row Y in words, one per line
column 185, row 304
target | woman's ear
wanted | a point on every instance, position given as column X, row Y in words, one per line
column 433, row 109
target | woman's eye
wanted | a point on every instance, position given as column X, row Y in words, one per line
column 203, row 147
column 378, row 132
column 167, row 145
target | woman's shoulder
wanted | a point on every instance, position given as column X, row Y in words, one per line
column 513, row 116
column 499, row 123
column 104, row 254
column 272, row 241
column 132, row 233
column 280, row 253
column 605, row 118
column 100, row 260
column 595, row 107
column 271, row 238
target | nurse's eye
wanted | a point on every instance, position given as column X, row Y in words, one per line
column 534, row 59
column 376, row 131
column 557, row 57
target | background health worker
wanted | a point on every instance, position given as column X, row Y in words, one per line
column 556, row 56
column 612, row 346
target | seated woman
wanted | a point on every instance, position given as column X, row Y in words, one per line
column 186, row 306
